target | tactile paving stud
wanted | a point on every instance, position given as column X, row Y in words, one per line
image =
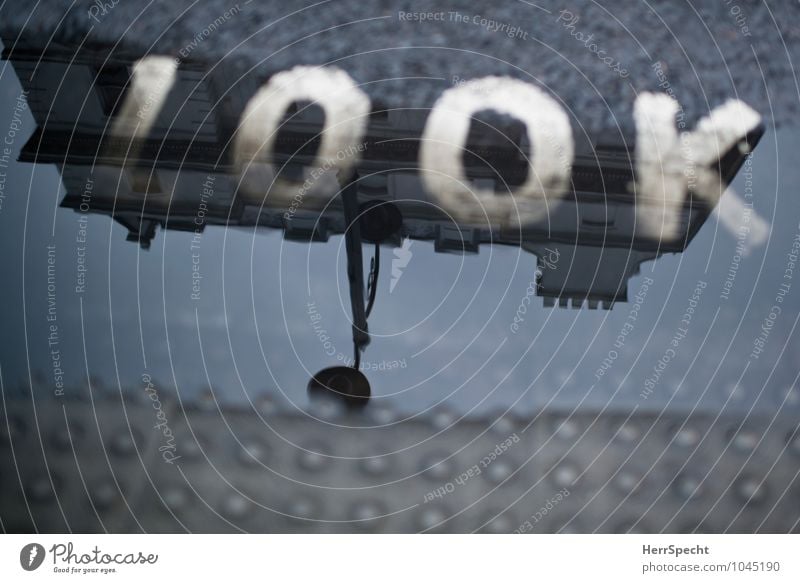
column 11, row 429
column 793, row 442
column 377, row 465
column 123, row 444
column 628, row 432
column 311, row 458
column 236, row 506
column 564, row 475
column 104, row 495
column 744, row 440
column 176, row 498
column 64, row 440
column 443, row 419
column 367, row 514
column 497, row 524
column 687, row 486
column 437, row 466
column 627, row 482
column 39, row 489
column 432, row 518
column 566, row 429
column 749, row 490
column 191, row 448
column 253, row 453
column 686, row 436
column 304, row 507
column 499, row 471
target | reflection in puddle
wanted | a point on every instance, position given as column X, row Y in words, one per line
column 495, row 162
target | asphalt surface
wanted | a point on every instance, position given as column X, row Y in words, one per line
column 702, row 52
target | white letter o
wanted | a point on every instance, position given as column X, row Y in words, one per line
column 444, row 140
column 346, row 110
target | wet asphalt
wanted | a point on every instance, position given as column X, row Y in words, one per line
column 594, row 57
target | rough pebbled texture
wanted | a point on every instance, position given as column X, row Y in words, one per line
column 272, row 469
column 706, row 54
